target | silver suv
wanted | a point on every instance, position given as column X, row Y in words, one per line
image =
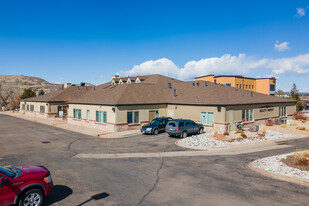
column 182, row 127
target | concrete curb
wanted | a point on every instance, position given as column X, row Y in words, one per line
column 277, row 176
column 79, row 129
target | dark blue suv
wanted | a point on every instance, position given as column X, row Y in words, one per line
column 156, row 125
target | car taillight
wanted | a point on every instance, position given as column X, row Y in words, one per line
column 177, row 130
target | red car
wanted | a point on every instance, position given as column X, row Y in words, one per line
column 24, row 186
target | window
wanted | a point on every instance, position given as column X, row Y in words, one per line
column 42, row 109
column 246, row 86
column 237, row 86
column 120, row 82
column 77, row 113
column 137, row 81
column 31, row 107
column 27, row 107
column 240, row 86
column 88, row 115
column 282, row 111
column 181, row 124
column 249, row 86
column 247, row 115
column 252, row 86
column 101, row 116
column 128, row 82
column 157, row 114
column 207, row 118
column 133, row 117
column 23, row 106
column 272, row 89
column 228, row 85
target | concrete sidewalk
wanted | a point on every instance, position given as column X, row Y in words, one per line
column 74, row 128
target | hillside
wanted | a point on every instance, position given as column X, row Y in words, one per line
column 19, row 83
column 15, row 85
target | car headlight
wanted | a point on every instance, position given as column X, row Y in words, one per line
column 148, row 129
column 47, row 179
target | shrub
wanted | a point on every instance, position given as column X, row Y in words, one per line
column 302, row 162
column 239, row 131
column 269, row 122
column 299, row 116
column 226, row 133
column 243, row 135
column 298, row 155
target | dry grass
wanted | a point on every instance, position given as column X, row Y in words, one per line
column 283, row 126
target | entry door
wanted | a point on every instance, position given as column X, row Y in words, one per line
column 203, row 117
column 152, row 115
column 210, row 118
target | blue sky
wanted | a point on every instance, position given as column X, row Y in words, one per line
column 89, row 41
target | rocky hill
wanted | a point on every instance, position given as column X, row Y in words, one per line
column 12, row 86
column 19, row 83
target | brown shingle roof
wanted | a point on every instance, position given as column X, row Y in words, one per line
column 62, row 95
column 154, row 89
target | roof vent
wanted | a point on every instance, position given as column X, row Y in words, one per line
column 169, row 85
column 197, row 84
column 193, row 84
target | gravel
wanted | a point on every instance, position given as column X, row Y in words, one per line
column 274, row 165
column 205, row 140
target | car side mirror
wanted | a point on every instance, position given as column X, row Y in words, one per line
column 3, row 181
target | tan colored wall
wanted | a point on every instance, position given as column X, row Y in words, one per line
column 194, row 112
column 92, row 108
column 121, row 112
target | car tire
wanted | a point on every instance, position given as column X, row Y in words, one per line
column 34, row 195
column 184, row 134
column 155, row 131
column 200, row 131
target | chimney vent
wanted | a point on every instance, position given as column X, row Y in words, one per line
column 82, row 84
column 169, row 85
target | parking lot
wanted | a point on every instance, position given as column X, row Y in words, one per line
column 140, row 180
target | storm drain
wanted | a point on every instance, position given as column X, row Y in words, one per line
column 46, row 142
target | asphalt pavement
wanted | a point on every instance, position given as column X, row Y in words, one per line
column 181, row 180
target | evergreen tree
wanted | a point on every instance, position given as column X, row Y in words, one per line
column 295, row 95
column 28, row 93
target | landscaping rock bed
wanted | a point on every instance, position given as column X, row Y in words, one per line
column 206, row 141
column 276, row 166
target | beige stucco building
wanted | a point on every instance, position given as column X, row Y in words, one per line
column 116, row 107
column 54, row 104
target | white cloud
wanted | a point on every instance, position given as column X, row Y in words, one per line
column 300, row 12
column 226, row 64
column 282, row 47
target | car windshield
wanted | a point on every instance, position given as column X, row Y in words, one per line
column 8, row 172
column 155, row 121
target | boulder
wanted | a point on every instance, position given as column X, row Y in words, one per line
column 301, row 128
column 261, row 133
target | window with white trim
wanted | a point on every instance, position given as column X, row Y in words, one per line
column 133, row 117
column 32, row 108
column 101, row 116
column 23, row 106
column 282, row 111
column 42, row 109
column 247, row 115
column 77, row 113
